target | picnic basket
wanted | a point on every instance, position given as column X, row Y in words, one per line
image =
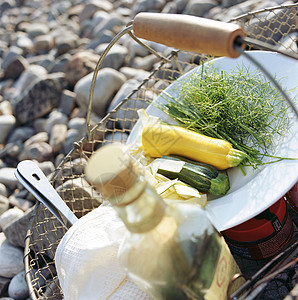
column 271, row 26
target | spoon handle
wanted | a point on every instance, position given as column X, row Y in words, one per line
column 33, row 179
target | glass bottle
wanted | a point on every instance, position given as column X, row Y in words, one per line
column 171, row 251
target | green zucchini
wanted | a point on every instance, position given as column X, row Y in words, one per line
column 204, row 177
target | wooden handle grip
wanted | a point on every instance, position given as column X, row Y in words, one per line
column 189, row 33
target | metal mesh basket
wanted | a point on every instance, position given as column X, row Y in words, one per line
column 276, row 26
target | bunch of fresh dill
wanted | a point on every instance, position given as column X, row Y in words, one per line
column 240, row 107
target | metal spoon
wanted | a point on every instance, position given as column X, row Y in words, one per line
column 33, row 179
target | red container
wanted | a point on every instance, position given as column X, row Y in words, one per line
column 262, row 236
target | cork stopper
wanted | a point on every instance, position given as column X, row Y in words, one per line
column 110, row 170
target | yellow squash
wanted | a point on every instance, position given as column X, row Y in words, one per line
column 163, row 139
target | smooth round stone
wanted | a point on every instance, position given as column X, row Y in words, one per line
column 20, row 134
column 11, row 258
column 37, row 151
column 105, row 38
column 36, row 29
column 56, row 117
column 108, row 24
column 18, row 288
column 199, row 7
column 3, row 190
column 4, row 282
column 20, row 203
column 39, row 125
column 66, row 43
column 98, row 17
column 47, row 167
column 115, row 58
column 137, row 74
column 90, row 9
column 58, row 137
column 8, row 178
column 60, row 63
column 25, row 43
column 170, row 8
column 129, row 109
column 67, row 102
column 4, row 204
column 43, row 43
column 15, row 67
column 145, row 63
column 77, row 123
column 41, row 99
column 148, row 6
column 73, row 135
column 29, row 77
column 79, row 65
column 5, row 108
column 107, row 83
column 37, row 138
column 10, row 216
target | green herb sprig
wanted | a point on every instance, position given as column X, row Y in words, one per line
column 240, row 107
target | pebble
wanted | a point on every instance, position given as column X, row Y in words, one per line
column 18, row 288
column 4, row 282
column 3, row 190
column 130, row 73
column 54, row 118
column 4, row 204
column 37, row 151
column 20, row 134
column 67, row 102
column 16, row 230
column 199, row 7
column 79, row 65
column 37, row 29
column 148, row 6
column 115, row 58
column 7, row 122
column 7, row 177
column 20, row 203
column 11, row 258
column 29, row 77
column 107, row 83
column 43, row 43
column 47, row 167
column 105, row 38
column 145, row 63
column 72, row 136
column 5, row 108
column 113, row 20
column 15, row 67
column 57, row 137
column 48, row 53
column 40, row 100
column 10, row 216
column 37, row 138
column 128, row 111
column 91, row 8
column 78, row 124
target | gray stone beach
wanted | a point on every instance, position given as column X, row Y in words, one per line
column 48, row 52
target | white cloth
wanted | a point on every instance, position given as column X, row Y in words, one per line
column 86, row 259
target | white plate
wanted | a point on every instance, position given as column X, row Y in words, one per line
column 251, row 194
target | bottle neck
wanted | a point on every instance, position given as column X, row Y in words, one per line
column 140, row 208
